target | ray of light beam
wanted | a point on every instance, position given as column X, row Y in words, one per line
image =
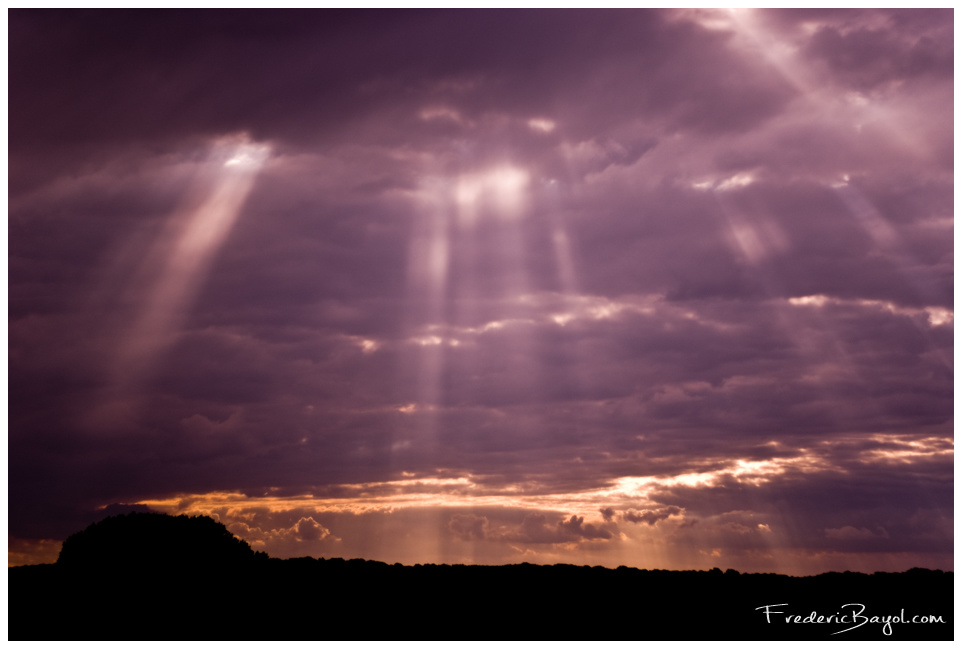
column 176, row 268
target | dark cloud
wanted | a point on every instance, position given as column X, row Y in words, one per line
column 468, row 527
column 650, row 516
column 535, row 528
column 894, row 503
column 865, row 58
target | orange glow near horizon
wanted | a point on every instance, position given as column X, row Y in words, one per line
column 638, row 529
column 467, row 491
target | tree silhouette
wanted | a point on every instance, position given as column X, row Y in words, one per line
column 139, row 539
column 152, row 576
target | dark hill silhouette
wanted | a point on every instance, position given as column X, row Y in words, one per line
column 155, row 539
column 155, row 577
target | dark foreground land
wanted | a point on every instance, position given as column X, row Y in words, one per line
column 359, row 600
column 107, row 586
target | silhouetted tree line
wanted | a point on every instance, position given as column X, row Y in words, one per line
column 151, row 576
column 157, row 539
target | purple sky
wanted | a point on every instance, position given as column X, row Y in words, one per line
column 667, row 289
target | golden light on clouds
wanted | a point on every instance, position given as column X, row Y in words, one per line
column 469, row 491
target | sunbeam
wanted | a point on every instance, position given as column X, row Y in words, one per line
column 177, row 266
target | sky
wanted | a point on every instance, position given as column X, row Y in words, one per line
column 670, row 289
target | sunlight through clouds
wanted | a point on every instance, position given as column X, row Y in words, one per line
column 648, row 289
column 177, row 268
column 202, row 233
